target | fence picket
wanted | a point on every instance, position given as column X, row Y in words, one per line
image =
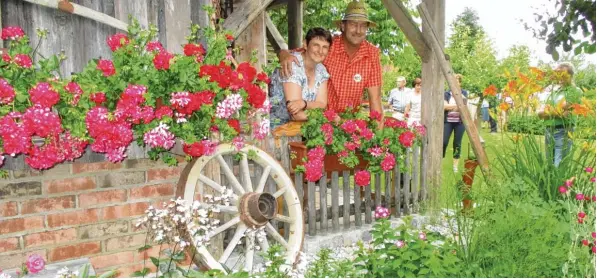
column 346, row 198
column 335, row 202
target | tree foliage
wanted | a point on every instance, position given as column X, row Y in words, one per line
column 573, row 26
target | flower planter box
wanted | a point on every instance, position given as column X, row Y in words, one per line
column 330, row 163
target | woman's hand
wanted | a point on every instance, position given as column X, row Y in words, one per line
column 286, row 60
column 295, row 107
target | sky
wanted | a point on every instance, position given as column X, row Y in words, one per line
column 501, row 21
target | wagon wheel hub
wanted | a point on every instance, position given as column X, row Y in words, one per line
column 257, row 209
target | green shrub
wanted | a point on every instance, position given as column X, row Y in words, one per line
column 512, row 232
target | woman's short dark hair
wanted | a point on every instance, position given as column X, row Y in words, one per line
column 318, row 32
column 417, row 81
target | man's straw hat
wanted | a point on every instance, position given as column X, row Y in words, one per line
column 356, row 11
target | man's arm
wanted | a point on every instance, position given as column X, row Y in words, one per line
column 375, row 101
column 286, row 59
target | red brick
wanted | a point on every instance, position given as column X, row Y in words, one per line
column 112, row 259
column 123, row 211
column 124, row 242
column 50, row 237
column 8, row 209
column 69, row 185
column 9, row 244
column 74, row 251
column 163, row 174
column 21, row 224
column 49, row 204
column 151, row 252
column 111, row 196
column 16, row 259
column 127, row 271
column 73, row 218
column 152, row 191
column 95, row 167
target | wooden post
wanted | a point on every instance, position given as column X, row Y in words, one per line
column 294, row 13
column 273, row 35
column 178, row 21
column 433, row 38
column 433, row 105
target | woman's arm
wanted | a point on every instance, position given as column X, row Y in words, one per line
column 448, row 106
column 294, row 97
column 321, row 101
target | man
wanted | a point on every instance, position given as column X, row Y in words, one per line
column 399, row 98
column 556, row 112
column 353, row 63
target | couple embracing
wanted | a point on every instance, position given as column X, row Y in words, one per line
column 330, row 72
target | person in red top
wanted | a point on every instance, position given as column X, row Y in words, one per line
column 353, row 63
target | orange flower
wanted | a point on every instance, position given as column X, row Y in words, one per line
column 511, row 87
column 578, row 109
column 537, row 73
column 504, row 106
column 491, row 91
column 525, row 79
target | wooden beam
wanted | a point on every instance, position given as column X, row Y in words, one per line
column 244, row 15
column 433, row 38
column 277, row 4
column 273, row 35
column 408, row 26
column 294, row 13
column 177, row 22
column 83, row 11
column 433, row 112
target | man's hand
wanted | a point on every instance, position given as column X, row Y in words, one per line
column 286, row 60
column 296, row 106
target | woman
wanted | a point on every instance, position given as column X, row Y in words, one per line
column 453, row 122
column 307, row 87
column 413, row 108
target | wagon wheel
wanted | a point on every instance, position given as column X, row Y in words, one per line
column 252, row 207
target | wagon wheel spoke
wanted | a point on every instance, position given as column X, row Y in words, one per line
column 250, row 251
column 280, row 192
column 263, row 243
column 230, row 175
column 228, row 209
column 284, row 219
column 240, row 230
column 272, row 231
column 263, row 179
column 244, row 169
column 224, row 227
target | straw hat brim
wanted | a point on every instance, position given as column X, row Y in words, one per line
column 371, row 23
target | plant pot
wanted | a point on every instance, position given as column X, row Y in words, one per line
column 330, row 163
column 468, row 177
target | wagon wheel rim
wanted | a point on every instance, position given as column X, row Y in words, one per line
column 246, row 216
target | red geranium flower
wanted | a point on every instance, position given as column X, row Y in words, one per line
column 161, row 61
column 235, row 124
column 106, row 66
column 23, row 61
column 117, row 41
column 256, row 96
column 362, row 178
column 407, row 138
column 193, row 49
column 12, row 33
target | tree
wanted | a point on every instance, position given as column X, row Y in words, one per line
column 573, row 26
column 471, row 52
column 519, row 58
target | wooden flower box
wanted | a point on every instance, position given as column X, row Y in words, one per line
column 331, row 163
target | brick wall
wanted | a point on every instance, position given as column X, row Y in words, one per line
column 82, row 210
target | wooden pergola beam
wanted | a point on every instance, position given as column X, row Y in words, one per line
column 83, row 11
column 244, row 15
column 273, row 35
column 408, row 26
column 294, row 14
column 433, row 39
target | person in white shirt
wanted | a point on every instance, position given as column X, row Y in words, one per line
column 399, row 98
column 413, row 108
